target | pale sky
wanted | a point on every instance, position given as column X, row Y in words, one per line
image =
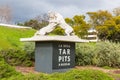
column 26, row 9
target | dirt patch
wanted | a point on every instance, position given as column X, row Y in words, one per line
column 26, row 70
column 116, row 71
column 92, row 67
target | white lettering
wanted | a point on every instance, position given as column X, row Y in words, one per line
column 64, row 51
column 64, row 64
column 68, row 51
column 64, row 58
column 64, row 55
column 60, row 51
column 60, row 58
column 68, row 59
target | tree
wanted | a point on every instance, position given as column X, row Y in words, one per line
column 58, row 31
column 79, row 25
column 32, row 23
column 38, row 22
column 98, row 18
column 5, row 14
column 43, row 18
column 110, row 30
column 69, row 21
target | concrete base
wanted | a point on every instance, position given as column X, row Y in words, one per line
column 49, row 59
column 54, row 53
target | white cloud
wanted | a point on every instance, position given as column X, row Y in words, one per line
column 69, row 11
column 25, row 9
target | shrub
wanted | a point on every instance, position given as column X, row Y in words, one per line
column 107, row 54
column 16, row 57
column 29, row 48
column 29, row 76
column 86, row 74
column 84, row 53
column 13, row 77
column 19, row 57
column 6, row 70
column 99, row 54
column 36, row 77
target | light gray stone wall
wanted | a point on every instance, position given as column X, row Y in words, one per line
column 43, row 57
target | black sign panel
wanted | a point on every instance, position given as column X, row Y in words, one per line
column 63, row 55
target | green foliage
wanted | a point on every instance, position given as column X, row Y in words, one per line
column 99, row 54
column 6, row 70
column 16, row 52
column 32, row 23
column 35, row 24
column 84, row 53
column 29, row 49
column 110, row 30
column 98, row 18
column 79, row 25
column 85, row 74
column 36, row 77
column 69, row 21
column 38, row 22
column 107, row 54
column 106, row 24
column 16, row 57
column 10, row 37
column 58, row 31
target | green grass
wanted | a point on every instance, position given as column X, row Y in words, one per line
column 75, row 74
column 87, row 74
column 115, row 76
column 10, row 37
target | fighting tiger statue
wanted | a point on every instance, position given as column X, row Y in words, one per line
column 55, row 19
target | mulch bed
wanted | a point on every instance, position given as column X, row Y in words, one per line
column 26, row 70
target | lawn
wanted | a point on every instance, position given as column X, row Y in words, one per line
column 10, row 37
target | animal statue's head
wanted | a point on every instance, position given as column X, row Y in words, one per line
column 55, row 17
column 52, row 15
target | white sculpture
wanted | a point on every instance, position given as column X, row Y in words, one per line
column 55, row 19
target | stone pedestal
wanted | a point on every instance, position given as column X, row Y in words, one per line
column 54, row 53
column 54, row 56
